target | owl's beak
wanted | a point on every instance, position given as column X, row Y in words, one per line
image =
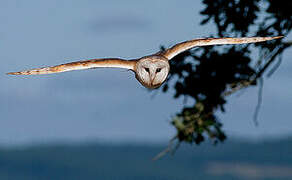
column 152, row 77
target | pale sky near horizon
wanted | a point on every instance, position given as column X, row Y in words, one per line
column 110, row 104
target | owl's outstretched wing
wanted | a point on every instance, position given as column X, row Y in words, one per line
column 80, row 65
column 181, row 47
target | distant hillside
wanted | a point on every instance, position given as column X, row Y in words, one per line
column 233, row 160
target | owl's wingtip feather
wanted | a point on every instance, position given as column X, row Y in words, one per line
column 13, row 73
column 18, row 73
column 277, row 37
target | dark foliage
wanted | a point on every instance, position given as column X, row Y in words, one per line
column 208, row 75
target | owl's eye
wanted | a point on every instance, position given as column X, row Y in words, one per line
column 158, row 70
column 147, row 69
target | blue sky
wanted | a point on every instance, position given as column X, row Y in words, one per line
column 109, row 104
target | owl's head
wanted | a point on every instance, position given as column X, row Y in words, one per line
column 152, row 71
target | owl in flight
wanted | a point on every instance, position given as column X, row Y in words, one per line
column 151, row 71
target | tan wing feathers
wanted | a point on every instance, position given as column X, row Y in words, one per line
column 79, row 65
column 178, row 48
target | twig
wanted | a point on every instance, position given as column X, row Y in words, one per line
column 166, row 150
column 259, row 103
column 276, row 66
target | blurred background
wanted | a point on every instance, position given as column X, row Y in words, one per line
column 102, row 123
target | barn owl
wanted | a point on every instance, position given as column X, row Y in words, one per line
column 151, row 71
